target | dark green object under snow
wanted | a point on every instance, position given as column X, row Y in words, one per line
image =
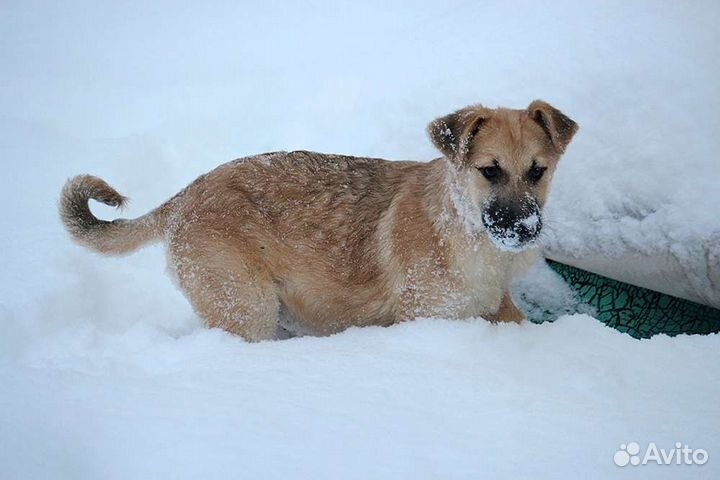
column 638, row 311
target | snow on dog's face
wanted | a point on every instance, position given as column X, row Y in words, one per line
column 502, row 163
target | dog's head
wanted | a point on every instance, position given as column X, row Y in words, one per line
column 503, row 161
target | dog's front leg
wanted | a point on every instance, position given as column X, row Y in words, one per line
column 507, row 312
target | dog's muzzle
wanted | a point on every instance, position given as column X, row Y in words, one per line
column 512, row 225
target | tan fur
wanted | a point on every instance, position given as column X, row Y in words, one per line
column 314, row 243
column 507, row 312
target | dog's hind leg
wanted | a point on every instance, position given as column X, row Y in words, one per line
column 508, row 312
column 228, row 292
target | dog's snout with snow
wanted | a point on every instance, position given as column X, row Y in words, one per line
column 512, row 224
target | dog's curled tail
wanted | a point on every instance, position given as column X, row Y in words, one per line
column 116, row 237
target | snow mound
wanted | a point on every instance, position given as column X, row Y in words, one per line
column 425, row 399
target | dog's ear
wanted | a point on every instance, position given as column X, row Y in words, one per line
column 453, row 133
column 559, row 127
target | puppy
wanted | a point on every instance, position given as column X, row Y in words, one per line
column 294, row 243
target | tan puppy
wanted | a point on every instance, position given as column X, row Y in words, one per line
column 307, row 243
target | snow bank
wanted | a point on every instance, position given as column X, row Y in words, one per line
column 105, row 371
column 427, row 399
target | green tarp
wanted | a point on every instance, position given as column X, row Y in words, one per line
column 637, row 311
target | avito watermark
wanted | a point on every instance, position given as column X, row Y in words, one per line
column 629, row 454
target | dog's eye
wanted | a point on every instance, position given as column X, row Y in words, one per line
column 492, row 173
column 536, row 173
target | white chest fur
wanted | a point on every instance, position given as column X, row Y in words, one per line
column 478, row 277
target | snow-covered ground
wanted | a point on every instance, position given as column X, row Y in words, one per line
column 106, row 373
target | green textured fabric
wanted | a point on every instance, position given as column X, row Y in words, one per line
column 638, row 311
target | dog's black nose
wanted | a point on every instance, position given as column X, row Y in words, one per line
column 516, row 223
column 529, row 228
column 499, row 216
